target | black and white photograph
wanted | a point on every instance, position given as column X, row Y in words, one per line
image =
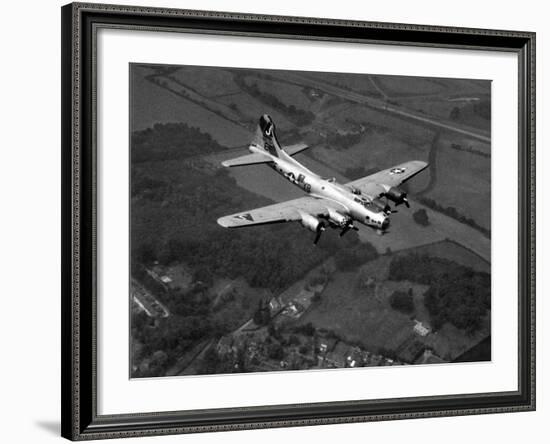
column 275, row 222
column 299, row 220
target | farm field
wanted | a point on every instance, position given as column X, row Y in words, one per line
column 468, row 191
column 251, row 108
column 363, row 314
column 155, row 104
column 425, row 86
column 356, row 82
column 453, row 252
column 288, row 93
column 444, row 106
column 212, row 83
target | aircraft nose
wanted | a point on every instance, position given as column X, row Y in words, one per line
column 385, row 223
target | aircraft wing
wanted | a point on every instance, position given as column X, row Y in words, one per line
column 392, row 177
column 290, row 210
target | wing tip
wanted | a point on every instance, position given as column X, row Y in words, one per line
column 224, row 222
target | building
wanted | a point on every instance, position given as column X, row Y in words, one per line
column 275, row 305
column 421, row 329
column 339, row 356
column 429, row 357
column 225, row 345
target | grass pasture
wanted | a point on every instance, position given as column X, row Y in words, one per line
column 252, row 109
column 454, row 252
column 402, row 86
column 397, row 86
column 442, row 106
column 363, row 314
column 155, row 104
column 464, row 182
column 354, row 82
column 209, row 82
column 287, row 93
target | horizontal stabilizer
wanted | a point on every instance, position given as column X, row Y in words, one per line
column 248, row 159
column 291, row 150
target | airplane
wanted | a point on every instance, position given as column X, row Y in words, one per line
column 327, row 202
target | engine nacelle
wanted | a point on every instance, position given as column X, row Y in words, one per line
column 396, row 195
column 311, row 223
column 338, row 219
column 381, row 205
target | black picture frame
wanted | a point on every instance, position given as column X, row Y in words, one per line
column 79, row 386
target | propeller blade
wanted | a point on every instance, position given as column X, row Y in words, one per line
column 347, row 227
column 318, row 234
column 345, row 230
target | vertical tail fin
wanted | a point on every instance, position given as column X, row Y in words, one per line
column 265, row 137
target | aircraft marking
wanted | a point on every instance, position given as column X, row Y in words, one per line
column 246, row 216
column 397, row 170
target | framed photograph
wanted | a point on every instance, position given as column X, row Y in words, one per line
column 278, row 221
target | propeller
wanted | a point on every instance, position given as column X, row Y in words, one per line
column 387, row 208
column 405, row 201
column 320, row 230
column 396, row 195
column 345, row 230
column 347, row 227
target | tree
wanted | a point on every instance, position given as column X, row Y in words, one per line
column 274, row 331
column 350, row 257
column 144, row 254
column 293, row 340
column 402, row 301
column 275, row 351
column 306, row 329
column 455, row 113
column 421, row 217
column 457, row 294
column 262, row 315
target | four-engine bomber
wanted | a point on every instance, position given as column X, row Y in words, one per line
column 327, row 202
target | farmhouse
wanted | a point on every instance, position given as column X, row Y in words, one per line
column 421, row 329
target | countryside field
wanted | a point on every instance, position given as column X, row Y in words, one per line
column 362, row 313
